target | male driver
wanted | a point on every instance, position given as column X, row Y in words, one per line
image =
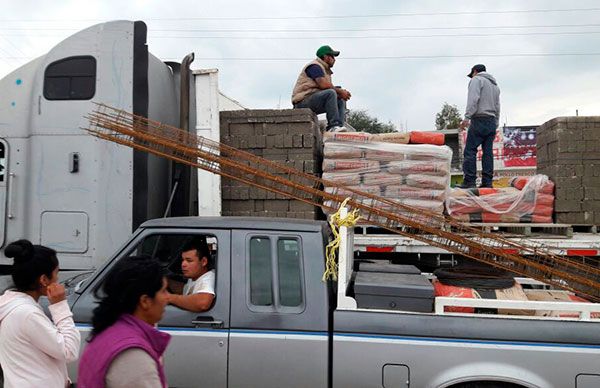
column 482, row 117
column 314, row 89
column 199, row 292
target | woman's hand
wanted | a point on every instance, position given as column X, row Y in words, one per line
column 56, row 293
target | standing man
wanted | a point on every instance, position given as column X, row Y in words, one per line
column 196, row 265
column 314, row 89
column 482, row 117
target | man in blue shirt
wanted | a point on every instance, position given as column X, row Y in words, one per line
column 314, row 89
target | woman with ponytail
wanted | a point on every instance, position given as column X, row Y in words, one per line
column 125, row 348
column 34, row 350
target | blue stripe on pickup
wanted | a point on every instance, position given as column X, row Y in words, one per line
column 468, row 341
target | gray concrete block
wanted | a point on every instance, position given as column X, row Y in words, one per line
column 257, row 193
column 297, row 141
column 277, row 205
column 591, row 193
column 240, row 206
column 591, row 134
column 581, row 218
column 569, row 193
column 309, row 140
column 591, row 155
column 568, row 181
column 288, row 141
column 241, row 129
column 591, row 181
column 564, row 205
column 591, row 206
column 240, row 193
column 299, row 206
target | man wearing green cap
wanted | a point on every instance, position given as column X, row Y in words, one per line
column 314, row 89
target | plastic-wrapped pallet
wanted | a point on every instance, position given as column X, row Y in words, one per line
column 528, row 200
column 384, row 165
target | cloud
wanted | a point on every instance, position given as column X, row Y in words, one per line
column 405, row 91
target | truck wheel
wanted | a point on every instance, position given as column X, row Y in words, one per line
column 487, row 384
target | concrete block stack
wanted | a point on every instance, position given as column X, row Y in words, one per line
column 290, row 137
column 568, row 152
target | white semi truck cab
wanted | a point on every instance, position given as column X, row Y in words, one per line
column 65, row 189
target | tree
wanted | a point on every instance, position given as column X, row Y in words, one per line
column 360, row 120
column 448, row 117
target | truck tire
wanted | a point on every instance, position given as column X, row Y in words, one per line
column 486, row 384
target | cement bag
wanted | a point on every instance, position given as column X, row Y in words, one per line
column 352, row 137
column 428, row 181
column 439, row 168
column 392, row 137
column 557, row 296
column 343, row 178
column 434, row 138
column 394, row 192
column 539, row 183
column 513, row 293
column 347, row 191
column 350, row 165
column 514, row 202
column 382, row 155
column 341, row 151
column 382, row 178
column 441, row 289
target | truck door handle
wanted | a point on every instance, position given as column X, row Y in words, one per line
column 215, row 324
column 11, row 184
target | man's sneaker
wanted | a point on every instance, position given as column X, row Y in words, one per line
column 338, row 128
column 466, row 186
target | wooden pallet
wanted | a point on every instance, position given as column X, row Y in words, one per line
column 525, row 229
column 586, row 228
column 519, row 229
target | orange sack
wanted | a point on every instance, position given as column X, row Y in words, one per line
column 434, row 138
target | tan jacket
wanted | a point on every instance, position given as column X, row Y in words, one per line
column 305, row 86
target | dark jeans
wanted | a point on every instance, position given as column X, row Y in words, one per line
column 326, row 101
column 481, row 133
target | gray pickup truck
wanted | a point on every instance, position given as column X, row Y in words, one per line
column 275, row 323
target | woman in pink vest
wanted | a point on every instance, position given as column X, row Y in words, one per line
column 125, row 348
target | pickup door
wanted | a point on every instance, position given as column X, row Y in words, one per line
column 197, row 354
column 279, row 309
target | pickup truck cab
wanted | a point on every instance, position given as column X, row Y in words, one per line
column 275, row 323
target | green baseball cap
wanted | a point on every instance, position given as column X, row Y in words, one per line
column 326, row 50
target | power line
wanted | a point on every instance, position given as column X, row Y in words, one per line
column 280, row 59
column 286, row 30
column 378, row 29
column 370, row 36
column 391, row 14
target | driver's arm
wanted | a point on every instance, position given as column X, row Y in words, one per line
column 196, row 302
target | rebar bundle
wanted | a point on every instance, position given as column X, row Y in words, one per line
column 523, row 257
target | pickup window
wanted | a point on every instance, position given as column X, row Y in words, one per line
column 276, row 282
column 166, row 248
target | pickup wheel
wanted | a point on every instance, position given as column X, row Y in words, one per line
column 486, row 384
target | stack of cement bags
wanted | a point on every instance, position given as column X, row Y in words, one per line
column 384, row 165
column 528, row 200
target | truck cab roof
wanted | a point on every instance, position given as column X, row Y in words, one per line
column 262, row 223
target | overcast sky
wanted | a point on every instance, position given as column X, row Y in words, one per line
column 400, row 59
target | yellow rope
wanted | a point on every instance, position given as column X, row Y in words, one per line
column 335, row 221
